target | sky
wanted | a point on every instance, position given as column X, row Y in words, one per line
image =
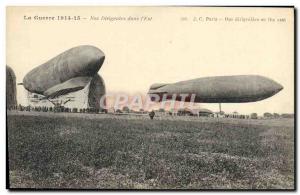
column 178, row 43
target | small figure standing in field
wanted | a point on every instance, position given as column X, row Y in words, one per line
column 152, row 114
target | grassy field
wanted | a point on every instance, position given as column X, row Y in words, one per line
column 120, row 152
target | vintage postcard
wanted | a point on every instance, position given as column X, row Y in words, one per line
column 164, row 98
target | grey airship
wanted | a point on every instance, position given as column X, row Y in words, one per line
column 68, row 72
column 11, row 90
column 219, row 89
column 96, row 91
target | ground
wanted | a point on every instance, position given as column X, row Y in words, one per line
column 57, row 150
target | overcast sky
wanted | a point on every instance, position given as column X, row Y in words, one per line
column 165, row 49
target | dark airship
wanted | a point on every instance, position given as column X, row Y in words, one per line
column 68, row 72
column 219, row 89
column 96, row 92
column 11, row 90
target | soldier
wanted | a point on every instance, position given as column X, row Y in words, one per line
column 152, row 114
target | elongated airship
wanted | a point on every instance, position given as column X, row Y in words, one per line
column 218, row 89
column 70, row 71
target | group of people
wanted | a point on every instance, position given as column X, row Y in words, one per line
column 54, row 109
column 62, row 109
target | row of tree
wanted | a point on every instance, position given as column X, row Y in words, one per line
column 56, row 109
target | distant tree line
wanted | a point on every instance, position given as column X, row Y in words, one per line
column 56, row 109
column 126, row 109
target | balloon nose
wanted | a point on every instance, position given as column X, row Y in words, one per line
column 93, row 59
column 278, row 87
